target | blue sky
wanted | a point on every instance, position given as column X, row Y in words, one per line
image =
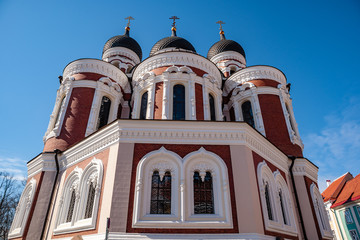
column 315, row 43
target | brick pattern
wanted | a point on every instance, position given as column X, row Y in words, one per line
column 182, row 150
column 199, row 102
column 75, row 120
column 275, row 125
column 158, row 100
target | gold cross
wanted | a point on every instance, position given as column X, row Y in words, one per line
column 220, row 22
column 174, row 19
column 129, row 18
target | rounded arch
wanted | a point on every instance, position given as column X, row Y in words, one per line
column 23, row 210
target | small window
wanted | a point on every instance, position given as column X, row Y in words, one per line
column 268, row 201
column 354, row 235
column 203, row 194
column 212, row 108
column 179, row 102
column 348, row 217
column 71, row 207
column 160, row 194
column 90, row 201
column 281, row 198
column 232, row 70
column 143, row 107
column 247, row 113
column 116, row 63
column 104, row 112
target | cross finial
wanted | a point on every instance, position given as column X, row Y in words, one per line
column 129, row 18
column 174, row 20
column 220, row 22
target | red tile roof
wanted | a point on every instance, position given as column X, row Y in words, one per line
column 350, row 192
column 335, row 187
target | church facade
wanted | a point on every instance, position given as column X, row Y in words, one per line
column 176, row 146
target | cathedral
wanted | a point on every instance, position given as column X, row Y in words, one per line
column 173, row 146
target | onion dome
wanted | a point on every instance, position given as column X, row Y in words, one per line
column 172, row 42
column 124, row 41
column 224, row 45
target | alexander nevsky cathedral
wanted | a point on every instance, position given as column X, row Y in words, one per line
column 173, row 146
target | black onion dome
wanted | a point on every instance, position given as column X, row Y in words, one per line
column 172, row 42
column 225, row 45
column 124, row 41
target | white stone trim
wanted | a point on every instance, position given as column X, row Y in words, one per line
column 253, row 73
column 182, row 205
column 230, row 56
column 304, row 167
column 93, row 173
column 22, row 210
column 275, row 182
column 109, row 54
column 100, row 67
column 316, row 196
column 182, row 59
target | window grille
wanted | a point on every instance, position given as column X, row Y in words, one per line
column 354, row 235
column 104, row 112
column 268, row 201
column 143, row 106
column 90, row 201
column 212, row 108
column 247, row 113
column 179, row 102
column 348, row 217
column 160, row 194
column 203, row 194
column 71, row 207
column 282, row 207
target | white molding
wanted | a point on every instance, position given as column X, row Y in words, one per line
column 320, row 212
column 229, row 55
column 304, row 167
column 182, row 59
column 121, row 51
column 100, row 67
column 23, row 209
column 253, row 73
column 174, row 132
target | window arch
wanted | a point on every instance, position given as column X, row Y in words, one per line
column 212, row 108
column 143, row 106
column 23, row 210
column 104, row 112
column 179, row 102
column 248, row 113
column 320, row 211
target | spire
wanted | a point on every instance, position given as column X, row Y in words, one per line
column 222, row 34
column 127, row 28
column 173, row 29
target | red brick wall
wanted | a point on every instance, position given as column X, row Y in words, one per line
column 75, row 120
column 275, row 125
column 265, row 82
column 141, row 150
column 199, row 102
column 158, row 100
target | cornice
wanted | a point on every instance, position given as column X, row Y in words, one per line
column 178, row 58
column 304, row 167
column 43, row 162
column 97, row 66
column 121, row 51
column 253, row 73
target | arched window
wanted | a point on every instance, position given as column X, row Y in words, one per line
column 203, row 194
column 268, row 201
column 104, row 112
column 58, row 112
column 179, row 102
column 283, row 213
column 71, row 206
column 160, row 193
column 90, row 201
column 232, row 70
column 212, row 108
column 143, row 106
column 247, row 113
